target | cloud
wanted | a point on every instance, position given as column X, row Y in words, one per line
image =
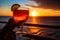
column 51, row 4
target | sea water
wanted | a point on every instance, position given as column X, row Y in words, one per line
column 39, row 20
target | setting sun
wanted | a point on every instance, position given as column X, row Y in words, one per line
column 34, row 13
column 43, row 12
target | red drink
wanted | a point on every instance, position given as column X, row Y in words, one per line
column 19, row 15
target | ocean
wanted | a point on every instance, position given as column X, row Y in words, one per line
column 38, row 20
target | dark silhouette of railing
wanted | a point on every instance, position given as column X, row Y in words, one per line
column 3, row 22
column 39, row 25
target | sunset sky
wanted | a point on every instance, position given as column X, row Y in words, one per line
column 39, row 7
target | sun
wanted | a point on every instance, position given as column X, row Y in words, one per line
column 33, row 13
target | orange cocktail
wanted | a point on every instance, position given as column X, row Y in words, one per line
column 20, row 15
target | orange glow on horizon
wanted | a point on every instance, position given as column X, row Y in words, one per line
column 5, row 11
column 32, row 12
column 43, row 12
